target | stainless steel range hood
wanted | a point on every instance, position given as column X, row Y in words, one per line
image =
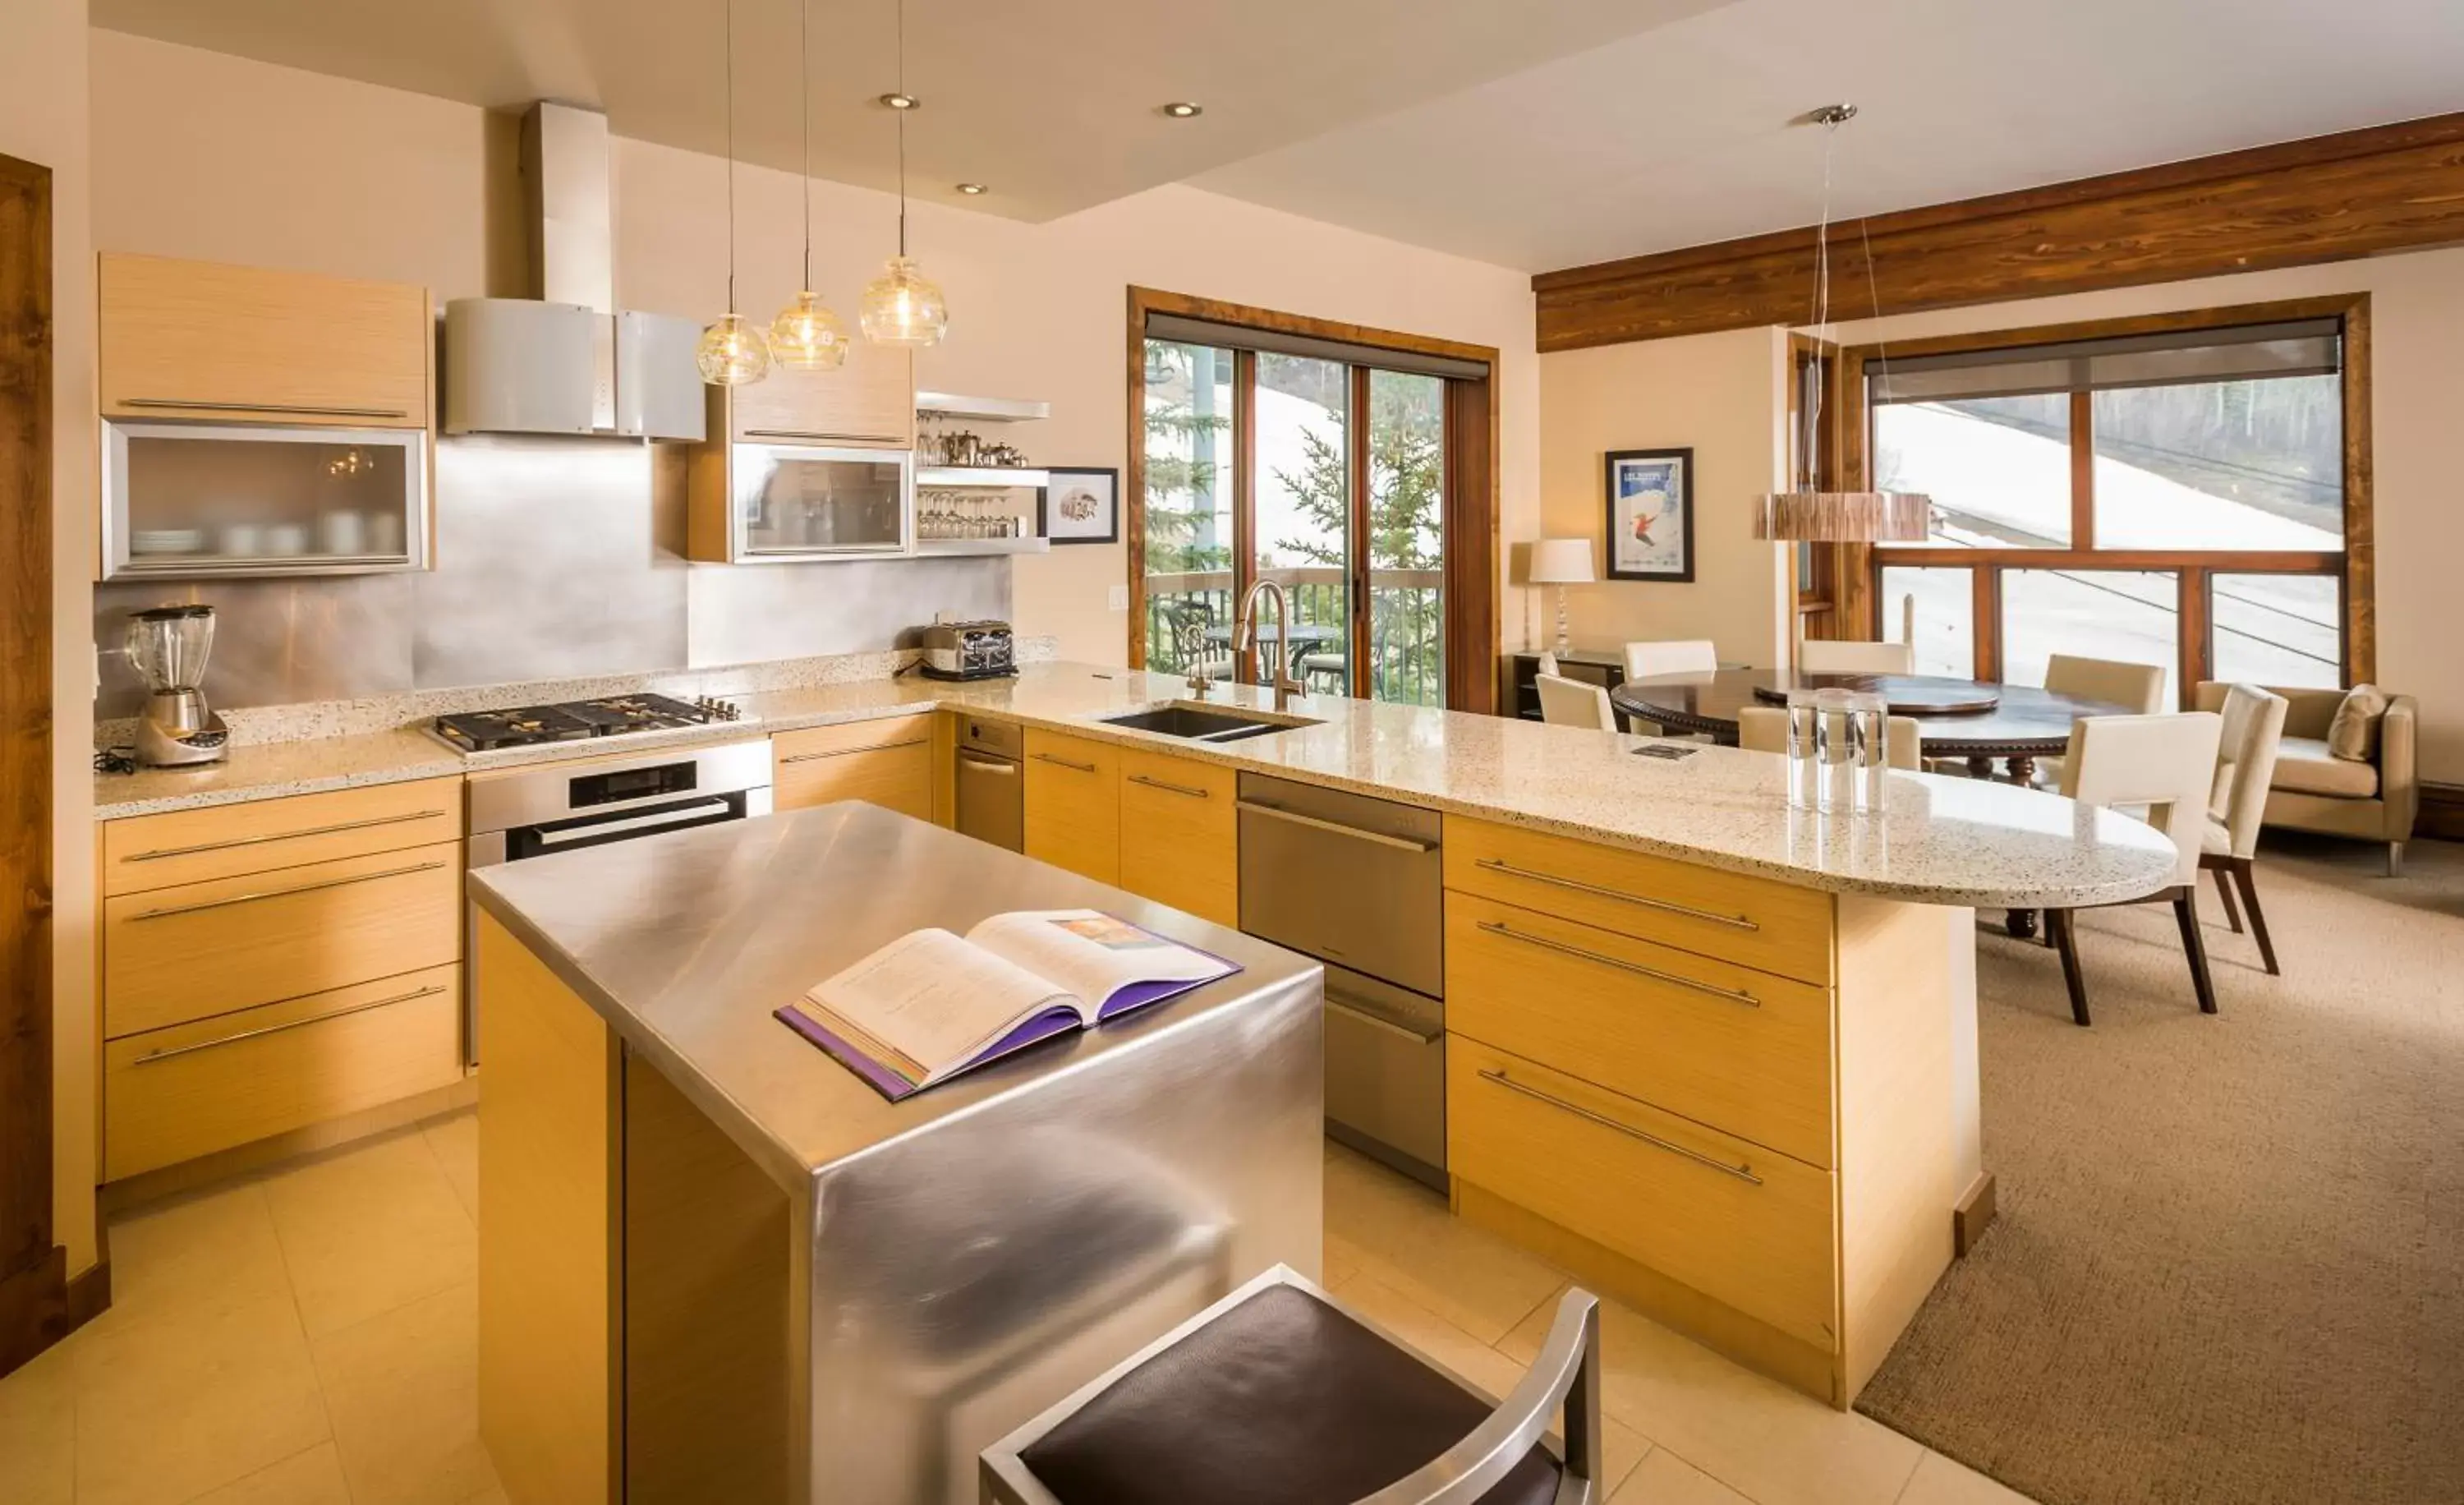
column 566, row 360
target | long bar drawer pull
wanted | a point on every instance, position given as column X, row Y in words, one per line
column 1744, row 1173
column 170, row 1051
column 849, row 752
column 1674, row 980
column 1313, row 823
column 160, row 853
column 1171, row 788
column 306, row 408
column 1074, row 767
column 1735, row 921
column 304, row 888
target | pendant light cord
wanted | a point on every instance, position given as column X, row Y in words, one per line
column 730, row 157
column 902, row 130
column 804, row 72
column 1812, row 437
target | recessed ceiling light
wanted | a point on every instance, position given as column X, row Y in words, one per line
column 971, row 189
column 901, row 102
column 1182, row 109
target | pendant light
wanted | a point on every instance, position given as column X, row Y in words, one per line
column 1835, row 516
column 732, row 352
column 901, row 306
column 806, row 336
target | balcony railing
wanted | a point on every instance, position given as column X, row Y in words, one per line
column 1406, row 627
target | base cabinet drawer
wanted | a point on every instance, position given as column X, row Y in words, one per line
column 1771, row 927
column 1073, row 803
column 1742, row 1051
column 1180, row 834
column 889, row 764
column 1738, row 1223
column 221, row 841
column 170, row 956
column 173, row 1095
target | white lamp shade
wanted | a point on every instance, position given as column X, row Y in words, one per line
column 1562, row 561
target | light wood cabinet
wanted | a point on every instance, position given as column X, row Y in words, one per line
column 200, row 340
column 153, row 851
column 173, row 955
column 1073, row 803
column 1180, row 834
column 886, row 762
column 869, row 400
column 188, row 1090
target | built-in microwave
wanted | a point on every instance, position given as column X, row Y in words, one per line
column 804, row 502
column 213, row 498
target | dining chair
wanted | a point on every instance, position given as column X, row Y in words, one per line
column 2168, row 765
column 1675, row 656
column 2139, row 688
column 2253, row 726
column 1818, row 656
column 1764, row 728
column 1574, row 702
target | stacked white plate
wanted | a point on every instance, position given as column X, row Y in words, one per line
column 166, row 540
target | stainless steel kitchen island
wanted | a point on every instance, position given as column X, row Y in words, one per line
column 715, row 1265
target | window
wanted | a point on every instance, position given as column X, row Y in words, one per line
column 2152, row 490
column 1327, row 467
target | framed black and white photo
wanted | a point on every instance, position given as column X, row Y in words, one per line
column 1651, row 515
column 1081, row 506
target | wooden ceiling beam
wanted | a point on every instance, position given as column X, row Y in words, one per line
column 2329, row 198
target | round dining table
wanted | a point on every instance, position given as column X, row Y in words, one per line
column 1966, row 719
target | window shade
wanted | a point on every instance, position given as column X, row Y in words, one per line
column 2309, row 348
column 1186, row 330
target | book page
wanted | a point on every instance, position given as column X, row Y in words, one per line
column 1091, row 954
column 934, row 1000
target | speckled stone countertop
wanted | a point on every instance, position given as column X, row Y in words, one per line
column 1938, row 840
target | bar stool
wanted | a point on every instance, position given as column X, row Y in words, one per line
column 1278, row 1392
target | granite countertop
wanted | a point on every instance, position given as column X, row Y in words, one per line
column 1940, row 840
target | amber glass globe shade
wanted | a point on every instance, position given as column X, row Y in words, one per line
column 806, row 336
column 903, row 307
column 732, row 352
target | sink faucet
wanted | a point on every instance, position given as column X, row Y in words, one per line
column 1246, row 640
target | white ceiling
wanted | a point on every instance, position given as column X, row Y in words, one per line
column 1532, row 133
column 1680, row 136
column 1054, row 104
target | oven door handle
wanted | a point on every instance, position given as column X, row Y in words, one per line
column 549, row 840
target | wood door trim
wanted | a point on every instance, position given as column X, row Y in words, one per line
column 35, row 1306
column 2327, row 198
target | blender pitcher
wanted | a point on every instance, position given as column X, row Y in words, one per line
column 169, row 644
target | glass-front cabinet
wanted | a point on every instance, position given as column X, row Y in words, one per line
column 791, row 501
column 226, row 500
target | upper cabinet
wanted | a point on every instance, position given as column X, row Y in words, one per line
column 198, row 339
column 870, row 400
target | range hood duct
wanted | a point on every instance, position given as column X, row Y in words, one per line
column 566, row 360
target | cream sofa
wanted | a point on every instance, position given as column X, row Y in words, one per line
column 2315, row 791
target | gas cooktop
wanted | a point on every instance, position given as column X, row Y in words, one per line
column 529, row 726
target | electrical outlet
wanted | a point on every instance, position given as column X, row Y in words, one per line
column 1118, row 598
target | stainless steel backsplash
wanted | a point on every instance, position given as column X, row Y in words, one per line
column 555, row 559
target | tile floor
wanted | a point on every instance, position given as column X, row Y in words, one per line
column 308, row 1336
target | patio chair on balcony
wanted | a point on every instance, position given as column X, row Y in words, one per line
column 1188, row 622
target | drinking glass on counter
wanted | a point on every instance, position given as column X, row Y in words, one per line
column 1804, row 751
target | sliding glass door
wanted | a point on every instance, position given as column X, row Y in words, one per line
column 1259, row 466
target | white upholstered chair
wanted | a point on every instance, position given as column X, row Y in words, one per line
column 2168, row 766
column 1574, row 702
column 1676, row 656
column 1764, row 728
column 2137, row 688
column 2253, row 726
column 1816, row 657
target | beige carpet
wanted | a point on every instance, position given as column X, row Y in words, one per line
column 2229, row 1263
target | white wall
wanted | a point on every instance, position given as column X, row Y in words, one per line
column 2416, row 328
column 198, row 154
column 43, row 119
column 1725, row 396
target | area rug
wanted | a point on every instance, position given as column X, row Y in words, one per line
column 2229, row 1261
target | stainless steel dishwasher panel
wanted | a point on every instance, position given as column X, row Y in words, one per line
column 991, row 795
column 1347, row 878
column 1386, row 1074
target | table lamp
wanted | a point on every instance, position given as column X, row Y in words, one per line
column 1561, row 562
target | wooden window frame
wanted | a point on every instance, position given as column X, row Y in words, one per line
column 1471, row 590
column 1858, row 567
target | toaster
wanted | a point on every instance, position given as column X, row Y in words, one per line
column 968, row 651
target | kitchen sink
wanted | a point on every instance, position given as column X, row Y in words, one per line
column 1205, row 723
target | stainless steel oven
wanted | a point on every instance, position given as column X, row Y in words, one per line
column 526, row 812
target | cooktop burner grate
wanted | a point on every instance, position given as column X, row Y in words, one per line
column 529, row 726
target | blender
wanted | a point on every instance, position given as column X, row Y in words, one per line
column 169, row 644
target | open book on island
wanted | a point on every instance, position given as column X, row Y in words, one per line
column 932, row 1005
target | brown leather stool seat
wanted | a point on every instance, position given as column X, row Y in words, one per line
column 1281, row 1396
